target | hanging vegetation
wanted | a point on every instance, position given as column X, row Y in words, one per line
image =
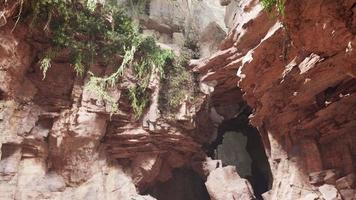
column 95, row 33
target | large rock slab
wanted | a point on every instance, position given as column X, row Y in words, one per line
column 225, row 184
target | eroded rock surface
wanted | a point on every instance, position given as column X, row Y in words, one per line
column 298, row 74
column 58, row 139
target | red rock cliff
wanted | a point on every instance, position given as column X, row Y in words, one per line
column 298, row 73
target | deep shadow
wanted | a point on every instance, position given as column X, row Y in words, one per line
column 260, row 175
column 2, row 95
column 184, row 185
column 7, row 150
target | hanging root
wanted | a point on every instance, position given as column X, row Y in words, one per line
column 18, row 16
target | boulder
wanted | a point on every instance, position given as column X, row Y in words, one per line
column 225, row 184
column 329, row 192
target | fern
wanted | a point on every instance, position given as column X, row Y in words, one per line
column 45, row 64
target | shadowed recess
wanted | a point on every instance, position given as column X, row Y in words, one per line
column 184, row 185
column 239, row 144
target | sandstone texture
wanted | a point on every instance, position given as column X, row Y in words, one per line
column 59, row 140
column 295, row 73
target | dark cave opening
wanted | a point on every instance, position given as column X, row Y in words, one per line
column 2, row 95
column 185, row 184
column 240, row 144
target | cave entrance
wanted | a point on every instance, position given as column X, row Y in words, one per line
column 239, row 144
column 185, row 184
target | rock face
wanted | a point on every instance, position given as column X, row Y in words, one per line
column 50, row 139
column 58, row 140
column 196, row 25
column 298, row 74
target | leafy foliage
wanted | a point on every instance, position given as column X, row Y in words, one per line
column 149, row 60
column 139, row 99
column 270, row 4
column 178, row 85
column 45, row 65
column 103, row 34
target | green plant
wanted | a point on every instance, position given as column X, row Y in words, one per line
column 149, row 59
column 45, row 65
column 99, row 34
column 45, row 62
column 139, row 99
column 178, row 85
column 270, row 4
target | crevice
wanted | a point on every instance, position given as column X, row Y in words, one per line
column 335, row 93
column 185, row 184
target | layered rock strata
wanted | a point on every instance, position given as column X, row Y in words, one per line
column 298, row 74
